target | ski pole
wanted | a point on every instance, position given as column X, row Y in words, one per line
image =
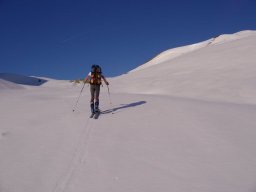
column 78, row 97
column 110, row 100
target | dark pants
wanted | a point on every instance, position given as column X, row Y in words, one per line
column 95, row 93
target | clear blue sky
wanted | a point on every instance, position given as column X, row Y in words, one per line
column 61, row 38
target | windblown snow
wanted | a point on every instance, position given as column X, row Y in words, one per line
column 184, row 121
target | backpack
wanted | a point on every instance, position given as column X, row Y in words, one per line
column 96, row 75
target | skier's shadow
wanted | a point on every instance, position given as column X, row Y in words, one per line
column 123, row 106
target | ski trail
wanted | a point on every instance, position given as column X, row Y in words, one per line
column 77, row 160
column 87, row 139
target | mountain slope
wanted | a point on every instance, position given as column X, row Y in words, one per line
column 8, row 85
column 141, row 142
column 22, row 80
column 176, row 52
column 224, row 71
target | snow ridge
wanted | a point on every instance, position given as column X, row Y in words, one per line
column 222, row 68
column 21, row 79
column 177, row 52
column 8, row 85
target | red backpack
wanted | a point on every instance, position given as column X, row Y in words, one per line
column 95, row 75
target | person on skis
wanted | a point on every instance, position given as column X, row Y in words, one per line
column 95, row 79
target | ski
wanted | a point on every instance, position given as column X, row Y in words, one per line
column 91, row 116
column 96, row 116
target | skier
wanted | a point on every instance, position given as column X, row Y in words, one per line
column 95, row 79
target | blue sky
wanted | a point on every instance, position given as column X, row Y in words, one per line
column 61, row 39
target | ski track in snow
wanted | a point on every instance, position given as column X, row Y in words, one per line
column 79, row 157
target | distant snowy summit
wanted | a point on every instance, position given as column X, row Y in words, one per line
column 15, row 81
column 9, row 85
column 176, row 52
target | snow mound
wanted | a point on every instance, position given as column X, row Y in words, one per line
column 21, row 79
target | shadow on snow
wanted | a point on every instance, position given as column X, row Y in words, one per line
column 123, row 106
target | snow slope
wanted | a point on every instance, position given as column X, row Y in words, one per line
column 223, row 70
column 176, row 52
column 141, row 142
column 8, row 85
